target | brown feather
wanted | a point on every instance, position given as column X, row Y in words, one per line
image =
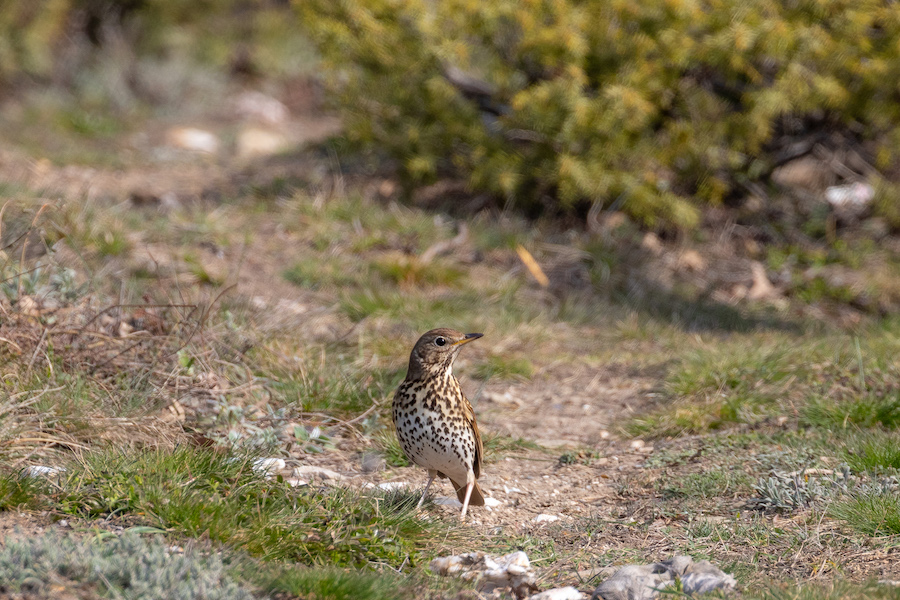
column 469, row 414
column 476, row 499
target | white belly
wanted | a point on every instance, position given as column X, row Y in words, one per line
column 436, row 450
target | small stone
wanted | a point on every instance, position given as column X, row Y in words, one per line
column 320, row 472
column 387, row 188
column 268, row 466
column 254, row 142
column 652, row 243
column 805, row 173
column 545, row 518
column 262, row 107
column 637, row 444
column 192, row 138
column 761, row 287
column 492, row 502
column 511, row 571
column 691, row 260
column 704, row 577
column 566, row 593
column 28, row 306
column 390, row 486
column 41, row 471
column 850, row 200
column 644, row 582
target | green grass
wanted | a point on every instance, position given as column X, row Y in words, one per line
column 318, row 272
column 706, row 485
column 339, row 388
column 836, row 590
column 497, row 446
column 826, row 379
column 503, row 367
column 424, row 309
column 873, row 513
column 335, row 584
column 201, row 493
column 873, row 451
column 387, row 443
column 17, row 491
column 872, row 410
column 410, row 271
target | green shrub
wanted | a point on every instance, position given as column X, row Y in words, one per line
column 653, row 106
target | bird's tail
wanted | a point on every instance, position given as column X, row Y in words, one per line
column 476, row 499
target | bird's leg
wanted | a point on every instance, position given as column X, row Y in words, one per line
column 431, row 476
column 470, row 485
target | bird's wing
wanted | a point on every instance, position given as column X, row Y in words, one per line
column 469, row 414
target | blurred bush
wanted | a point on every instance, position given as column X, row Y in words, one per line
column 655, row 107
column 50, row 40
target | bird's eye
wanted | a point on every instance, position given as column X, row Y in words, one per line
column 440, row 341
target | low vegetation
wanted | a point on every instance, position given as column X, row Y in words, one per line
column 663, row 109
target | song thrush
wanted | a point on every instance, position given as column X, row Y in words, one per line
column 434, row 420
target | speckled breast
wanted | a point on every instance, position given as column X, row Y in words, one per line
column 432, row 430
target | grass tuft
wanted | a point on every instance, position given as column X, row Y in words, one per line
column 18, row 491
column 336, row 584
column 707, row 484
column 503, row 367
column 201, row 493
column 836, row 590
column 874, row 513
column 498, row 447
column 389, row 446
column 873, row 451
column 867, row 411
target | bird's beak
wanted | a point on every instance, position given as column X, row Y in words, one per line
column 469, row 337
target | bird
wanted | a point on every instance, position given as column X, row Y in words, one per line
column 435, row 422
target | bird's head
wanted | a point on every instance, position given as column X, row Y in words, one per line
column 436, row 350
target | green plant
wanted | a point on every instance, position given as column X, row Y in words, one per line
column 334, row 584
column 787, row 492
column 708, row 484
column 665, row 106
column 872, row 513
column 204, row 493
column 869, row 411
column 873, row 451
column 120, row 566
column 18, row 491
column 389, row 446
column 504, row 367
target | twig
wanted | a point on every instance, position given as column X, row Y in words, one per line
column 37, row 349
column 532, row 265
column 443, row 246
